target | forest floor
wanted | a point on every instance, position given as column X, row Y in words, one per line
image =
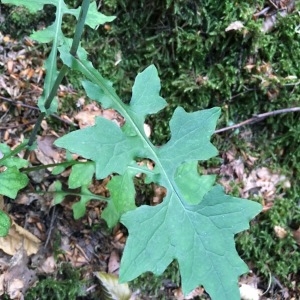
column 67, row 254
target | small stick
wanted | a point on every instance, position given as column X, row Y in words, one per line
column 16, row 103
column 258, row 118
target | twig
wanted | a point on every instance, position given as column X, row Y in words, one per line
column 13, row 102
column 258, row 118
column 51, row 227
column 16, row 103
column 17, row 125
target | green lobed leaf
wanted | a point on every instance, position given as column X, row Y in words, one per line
column 33, row 5
column 200, row 237
column 79, row 208
column 96, row 143
column 5, row 223
column 11, row 181
column 95, row 18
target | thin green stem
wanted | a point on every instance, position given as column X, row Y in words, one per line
column 65, row 164
column 79, row 26
column 97, row 197
column 64, row 70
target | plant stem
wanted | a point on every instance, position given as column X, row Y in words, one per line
column 63, row 164
column 62, row 73
column 65, row 193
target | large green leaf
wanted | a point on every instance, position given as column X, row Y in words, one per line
column 195, row 223
column 200, row 237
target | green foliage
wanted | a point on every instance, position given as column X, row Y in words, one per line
column 174, row 222
column 12, row 180
column 200, row 237
column 200, row 64
column 4, row 224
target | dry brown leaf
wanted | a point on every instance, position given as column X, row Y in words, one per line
column 263, row 182
column 48, row 266
column 19, row 237
column 114, row 263
column 46, row 146
column 239, row 169
column 87, row 118
column 18, row 278
column 112, row 289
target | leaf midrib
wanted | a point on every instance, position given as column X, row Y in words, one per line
column 96, row 78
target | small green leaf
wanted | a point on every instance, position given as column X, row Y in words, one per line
column 57, row 170
column 11, row 181
column 59, row 195
column 79, row 208
column 5, row 223
column 95, row 18
column 122, row 194
column 81, row 175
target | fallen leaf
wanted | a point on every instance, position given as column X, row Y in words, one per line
column 114, row 263
column 87, row 118
column 48, row 266
column 112, row 289
column 18, row 278
column 17, row 237
column 48, row 153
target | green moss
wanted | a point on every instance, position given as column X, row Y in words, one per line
column 155, row 286
column 67, row 285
